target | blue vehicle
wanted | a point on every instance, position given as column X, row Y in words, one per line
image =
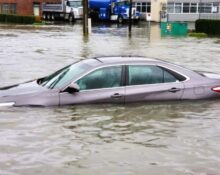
column 114, row 10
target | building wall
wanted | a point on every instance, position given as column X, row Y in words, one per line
column 25, row 7
column 156, row 8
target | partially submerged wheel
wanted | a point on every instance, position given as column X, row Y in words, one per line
column 120, row 19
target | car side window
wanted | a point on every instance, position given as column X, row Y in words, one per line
column 107, row 77
column 148, row 74
column 169, row 77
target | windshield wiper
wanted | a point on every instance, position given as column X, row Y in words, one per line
column 58, row 79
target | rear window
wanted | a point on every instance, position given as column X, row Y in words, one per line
column 174, row 74
column 151, row 74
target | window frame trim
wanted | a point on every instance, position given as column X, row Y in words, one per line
column 125, row 75
column 10, row 10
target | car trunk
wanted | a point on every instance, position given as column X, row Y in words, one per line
column 209, row 74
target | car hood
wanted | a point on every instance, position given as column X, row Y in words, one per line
column 11, row 92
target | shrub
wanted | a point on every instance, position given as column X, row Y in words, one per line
column 197, row 35
column 6, row 18
column 2, row 17
column 210, row 27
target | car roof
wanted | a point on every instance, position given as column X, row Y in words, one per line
column 124, row 59
column 121, row 60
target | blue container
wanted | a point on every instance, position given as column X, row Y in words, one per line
column 97, row 4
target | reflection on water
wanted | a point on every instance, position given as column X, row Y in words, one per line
column 158, row 138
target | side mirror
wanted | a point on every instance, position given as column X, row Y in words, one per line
column 73, row 87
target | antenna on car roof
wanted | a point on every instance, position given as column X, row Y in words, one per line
column 98, row 59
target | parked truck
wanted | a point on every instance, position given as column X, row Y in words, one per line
column 65, row 10
column 114, row 10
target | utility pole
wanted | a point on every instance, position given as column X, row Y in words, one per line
column 85, row 17
column 130, row 17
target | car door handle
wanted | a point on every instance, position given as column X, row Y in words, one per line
column 116, row 95
column 174, row 89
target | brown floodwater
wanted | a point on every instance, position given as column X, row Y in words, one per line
column 175, row 138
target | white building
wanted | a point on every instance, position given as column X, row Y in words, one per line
column 178, row 10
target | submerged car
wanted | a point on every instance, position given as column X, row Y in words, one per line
column 113, row 80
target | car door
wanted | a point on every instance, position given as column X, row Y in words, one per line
column 151, row 83
column 103, row 85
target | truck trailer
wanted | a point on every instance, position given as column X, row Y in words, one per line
column 65, row 10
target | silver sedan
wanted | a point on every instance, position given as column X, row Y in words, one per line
column 113, row 80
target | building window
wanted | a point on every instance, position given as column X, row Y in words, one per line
column 215, row 7
column 138, row 6
column 178, row 7
column 170, row 8
column 13, row 8
column 186, row 7
column 205, row 8
column 143, row 7
column 193, row 8
column 5, row 8
column 148, row 7
column 8, row 8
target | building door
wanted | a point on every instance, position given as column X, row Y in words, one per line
column 36, row 9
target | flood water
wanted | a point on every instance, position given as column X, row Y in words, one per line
column 174, row 138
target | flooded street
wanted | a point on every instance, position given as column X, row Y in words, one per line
column 175, row 138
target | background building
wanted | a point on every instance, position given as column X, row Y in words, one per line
column 23, row 7
column 191, row 10
column 178, row 10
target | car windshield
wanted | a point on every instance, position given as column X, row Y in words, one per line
column 63, row 76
